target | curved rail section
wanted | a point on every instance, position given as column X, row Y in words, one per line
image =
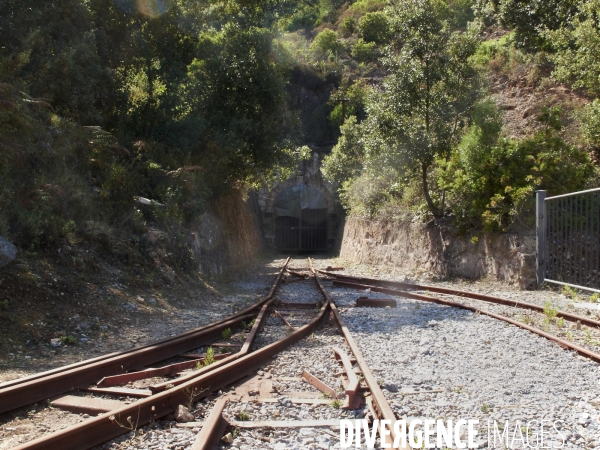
column 376, row 287
column 165, row 399
column 349, row 281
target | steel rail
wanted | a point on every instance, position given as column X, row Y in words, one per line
column 58, row 381
column 440, row 290
column 561, row 342
column 380, row 404
column 243, row 351
column 244, row 312
column 107, row 426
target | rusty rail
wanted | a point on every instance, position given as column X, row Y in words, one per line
column 97, row 430
column 49, row 384
column 104, row 427
column 341, row 279
column 561, row 342
column 380, row 404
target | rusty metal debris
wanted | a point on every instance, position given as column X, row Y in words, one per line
column 342, row 280
column 353, row 399
column 376, row 302
column 287, row 324
column 311, row 379
column 213, row 428
column 380, row 405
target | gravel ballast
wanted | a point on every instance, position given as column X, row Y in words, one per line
column 438, row 362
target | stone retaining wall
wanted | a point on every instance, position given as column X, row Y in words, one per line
column 437, row 251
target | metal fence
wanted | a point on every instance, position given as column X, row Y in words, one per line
column 568, row 239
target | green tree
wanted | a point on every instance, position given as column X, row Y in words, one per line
column 577, row 59
column 364, row 52
column 237, row 103
column 49, row 50
column 429, row 93
column 529, row 18
column 346, row 160
column 327, row 43
column 374, row 27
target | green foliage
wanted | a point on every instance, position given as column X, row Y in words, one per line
column 374, row 27
column 354, row 94
column 549, row 311
column 570, row 292
column 577, row 60
column 491, row 49
column 346, row 160
column 370, row 192
column 210, row 356
column 530, row 18
column 462, row 12
column 590, row 123
column 428, row 94
column 68, row 340
column 327, row 43
column 243, row 416
column 488, row 183
column 366, row 6
column 226, row 334
column 364, row 52
column 348, row 26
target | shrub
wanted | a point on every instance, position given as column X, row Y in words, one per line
column 348, row 26
column 374, row 27
column 327, row 42
column 487, row 184
column 364, row 52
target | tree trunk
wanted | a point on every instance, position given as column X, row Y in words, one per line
column 434, row 210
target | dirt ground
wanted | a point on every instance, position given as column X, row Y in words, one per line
column 50, row 317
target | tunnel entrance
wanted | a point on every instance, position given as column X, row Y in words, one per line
column 300, row 219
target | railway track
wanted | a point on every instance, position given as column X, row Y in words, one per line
column 119, row 393
column 464, row 299
column 291, row 364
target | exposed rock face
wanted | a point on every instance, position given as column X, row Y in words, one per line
column 226, row 236
column 437, row 251
column 8, row 252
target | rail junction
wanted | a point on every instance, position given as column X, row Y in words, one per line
column 124, row 391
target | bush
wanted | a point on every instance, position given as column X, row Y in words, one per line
column 528, row 18
column 374, row 27
column 577, row 60
column 492, row 49
column 348, row 26
column 364, row 52
column 487, row 185
column 327, row 43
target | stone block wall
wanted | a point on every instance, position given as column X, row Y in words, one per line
column 437, row 251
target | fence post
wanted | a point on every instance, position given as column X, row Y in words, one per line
column 540, row 227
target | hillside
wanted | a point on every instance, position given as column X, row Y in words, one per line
column 124, row 129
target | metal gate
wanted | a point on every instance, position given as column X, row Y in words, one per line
column 308, row 233
column 568, row 239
